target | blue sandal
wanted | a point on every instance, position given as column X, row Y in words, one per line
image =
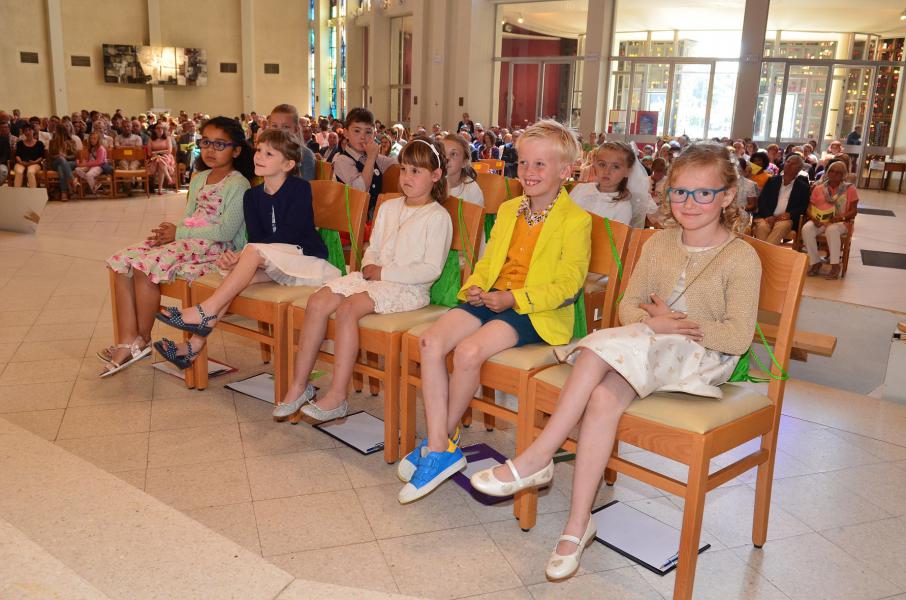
column 167, row 349
column 175, row 320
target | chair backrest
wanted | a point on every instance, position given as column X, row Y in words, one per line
column 390, row 180
column 323, row 170
column 637, row 239
column 494, row 164
column 481, row 167
column 472, row 216
column 782, row 278
column 496, row 190
column 604, row 262
column 123, row 153
column 329, row 203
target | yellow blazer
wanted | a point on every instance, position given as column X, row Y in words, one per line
column 557, row 271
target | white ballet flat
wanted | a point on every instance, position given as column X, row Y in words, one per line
column 285, row 410
column 561, row 567
column 487, row 483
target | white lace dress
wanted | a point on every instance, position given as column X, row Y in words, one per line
column 411, row 246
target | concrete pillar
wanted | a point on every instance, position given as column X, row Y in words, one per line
column 754, row 25
column 154, row 39
column 247, row 72
column 379, row 64
column 596, row 67
column 422, row 32
column 57, row 63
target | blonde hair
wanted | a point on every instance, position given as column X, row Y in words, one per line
column 555, row 133
column 701, row 155
column 284, row 142
column 424, row 153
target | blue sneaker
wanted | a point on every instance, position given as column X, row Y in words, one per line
column 406, row 467
column 433, row 469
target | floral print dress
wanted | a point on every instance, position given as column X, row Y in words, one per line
column 204, row 233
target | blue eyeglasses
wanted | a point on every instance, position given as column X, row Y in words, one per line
column 218, row 145
column 699, row 195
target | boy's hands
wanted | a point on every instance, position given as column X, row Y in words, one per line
column 473, row 296
column 498, row 301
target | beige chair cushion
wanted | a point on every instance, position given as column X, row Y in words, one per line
column 266, row 292
column 403, row 321
column 683, row 411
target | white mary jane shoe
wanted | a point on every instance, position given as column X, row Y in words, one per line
column 487, row 483
column 561, row 567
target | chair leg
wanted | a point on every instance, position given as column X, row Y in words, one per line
column 116, row 324
column 281, row 382
column 487, row 394
column 358, row 380
column 406, row 404
column 373, row 361
column 525, row 504
column 693, row 513
column 610, row 475
column 467, row 417
column 265, row 328
column 392, row 401
column 764, row 481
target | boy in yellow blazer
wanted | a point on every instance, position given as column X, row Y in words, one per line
column 521, row 292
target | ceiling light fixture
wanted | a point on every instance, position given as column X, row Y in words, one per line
column 903, row 16
column 520, row 20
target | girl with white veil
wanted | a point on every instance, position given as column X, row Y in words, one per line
column 620, row 188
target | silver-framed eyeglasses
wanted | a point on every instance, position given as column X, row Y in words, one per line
column 699, row 195
column 218, row 145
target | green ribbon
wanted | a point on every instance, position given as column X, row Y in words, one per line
column 741, row 372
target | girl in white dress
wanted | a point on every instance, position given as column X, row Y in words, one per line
column 410, row 242
column 691, row 342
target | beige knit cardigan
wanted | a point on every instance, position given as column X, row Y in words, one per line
column 723, row 300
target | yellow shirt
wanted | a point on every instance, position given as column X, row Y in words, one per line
column 522, row 245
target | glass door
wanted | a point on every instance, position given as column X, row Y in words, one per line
column 802, row 109
column 648, row 96
column 689, row 102
column 767, row 109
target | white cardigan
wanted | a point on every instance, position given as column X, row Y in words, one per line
column 414, row 251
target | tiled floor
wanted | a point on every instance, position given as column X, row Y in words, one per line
column 322, row 512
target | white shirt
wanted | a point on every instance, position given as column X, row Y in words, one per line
column 783, row 197
column 469, row 191
column 603, row 204
column 129, row 141
column 410, row 244
column 345, row 171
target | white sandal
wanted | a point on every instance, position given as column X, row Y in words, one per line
column 561, row 567
column 487, row 483
column 136, row 353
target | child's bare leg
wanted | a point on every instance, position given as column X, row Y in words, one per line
column 147, row 303
column 346, row 347
column 588, row 372
column 434, row 345
column 125, row 309
column 241, row 275
column 606, row 405
column 318, row 310
column 469, row 355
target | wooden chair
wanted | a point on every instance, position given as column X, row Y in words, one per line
column 390, row 180
column 323, row 170
column 481, row 167
column 508, row 371
column 102, row 179
column 692, row 429
column 600, row 296
column 845, row 244
column 267, row 303
column 127, row 176
column 494, row 165
column 381, row 335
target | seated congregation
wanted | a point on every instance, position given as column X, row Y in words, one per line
column 427, row 272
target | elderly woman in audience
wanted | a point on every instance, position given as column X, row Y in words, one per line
column 831, row 212
column 161, row 162
column 29, row 157
column 833, row 149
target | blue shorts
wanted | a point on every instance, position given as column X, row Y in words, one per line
column 522, row 324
